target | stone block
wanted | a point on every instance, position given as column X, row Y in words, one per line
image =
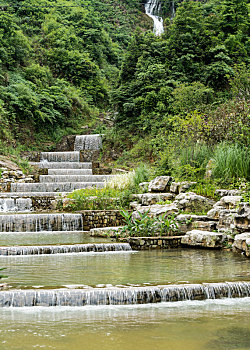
column 160, row 184
column 204, row 239
column 192, row 202
column 242, row 244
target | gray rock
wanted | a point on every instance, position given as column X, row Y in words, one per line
column 230, row 202
column 242, row 243
column 105, row 231
column 180, row 187
column 192, row 202
column 153, row 198
column 189, row 222
column 156, row 210
column 214, row 213
column 205, row 239
column 226, row 221
column 242, row 218
column 160, row 184
column 223, row 193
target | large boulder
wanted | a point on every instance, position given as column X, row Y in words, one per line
column 242, row 243
column 156, row 210
column 160, row 184
column 205, row 239
column 192, row 202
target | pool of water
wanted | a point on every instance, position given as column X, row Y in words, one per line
column 200, row 325
column 125, row 268
column 45, row 238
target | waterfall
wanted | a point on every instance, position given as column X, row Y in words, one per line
column 152, row 9
column 172, row 10
column 60, row 157
column 15, row 204
column 88, row 142
column 123, row 296
column 62, row 249
column 40, row 222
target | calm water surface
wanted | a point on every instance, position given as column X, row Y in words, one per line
column 200, row 325
column 126, row 268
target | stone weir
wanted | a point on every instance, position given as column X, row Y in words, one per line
column 63, row 249
column 123, row 296
column 41, row 222
column 15, row 204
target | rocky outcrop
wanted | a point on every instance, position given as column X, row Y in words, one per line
column 180, row 187
column 204, row 239
column 160, row 184
column 230, row 202
column 192, row 202
column 11, row 176
column 187, row 222
column 233, row 215
column 242, row 243
column 242, row 218
column 66, row 144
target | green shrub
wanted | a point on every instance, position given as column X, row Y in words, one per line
column 231, row 161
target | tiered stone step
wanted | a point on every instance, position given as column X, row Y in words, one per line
column 60, row 156
column 74, row 178
column 70, row 171
column 62, row 165
column 53, row 187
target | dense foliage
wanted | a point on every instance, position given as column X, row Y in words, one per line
column 64, row 63
column 58, row 60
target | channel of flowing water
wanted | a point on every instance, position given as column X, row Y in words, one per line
column 153, row 9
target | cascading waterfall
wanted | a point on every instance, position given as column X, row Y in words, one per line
column 152, row 9
column 70, row 172
column 62, row 165
column 63, row 249
column 40, row 222
column 123, row 296
column 88, row 142
column 60, row 157
column 15, row 204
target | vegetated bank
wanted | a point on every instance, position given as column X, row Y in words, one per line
column 178, row 102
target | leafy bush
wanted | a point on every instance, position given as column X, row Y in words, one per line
column 147, row 226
